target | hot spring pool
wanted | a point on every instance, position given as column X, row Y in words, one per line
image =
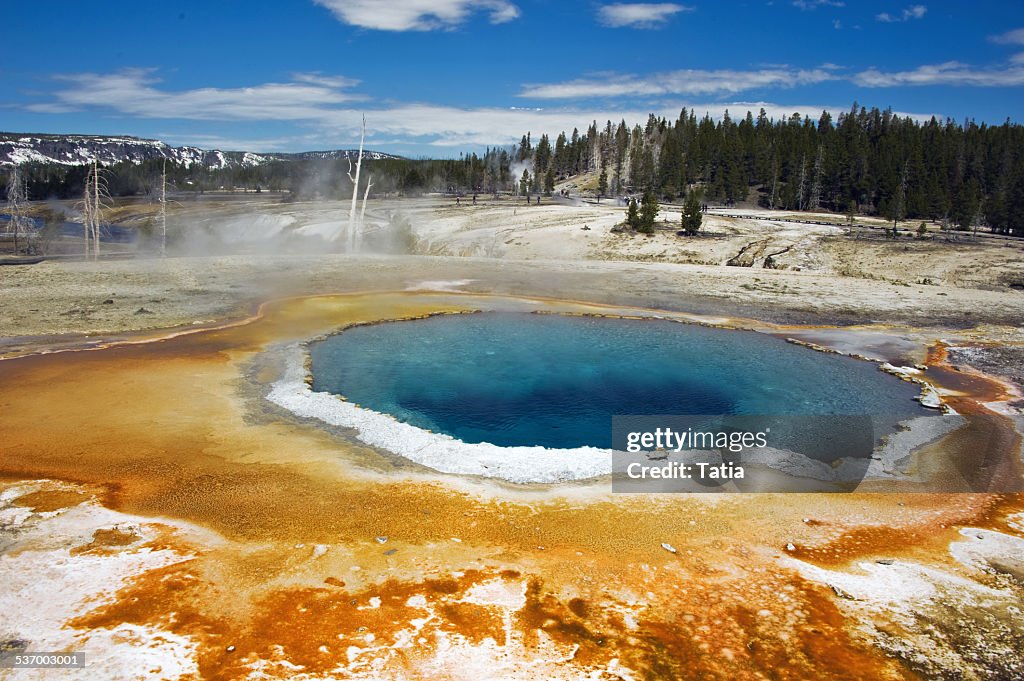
column 517, row 379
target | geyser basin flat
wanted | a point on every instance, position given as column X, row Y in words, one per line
column 516, row 379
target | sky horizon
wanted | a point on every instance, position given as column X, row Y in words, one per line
column 443, row 77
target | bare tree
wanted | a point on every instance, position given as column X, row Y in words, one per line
column 94, row 202
column 163, row 211
column 87, row 215
column 899, row 207
column 976, row 220
column 366, row 194
column 16, row 196
column 352, row 226
column 819, row 163
column 946, row 227
column 801, row 197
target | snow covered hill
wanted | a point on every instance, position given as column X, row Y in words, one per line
column 18, row 148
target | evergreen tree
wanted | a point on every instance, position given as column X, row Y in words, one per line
column 542, row 157
column 692, row 216
column 966, row 205
column 648, row 212
column 602, row 183
column 632, row 217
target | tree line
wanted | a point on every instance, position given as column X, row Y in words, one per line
column 866, row 161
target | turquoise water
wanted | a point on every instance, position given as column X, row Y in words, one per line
column 523, row 379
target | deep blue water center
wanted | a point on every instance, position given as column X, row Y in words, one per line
column 552, row 380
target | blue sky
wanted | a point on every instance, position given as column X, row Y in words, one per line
column 438, row 77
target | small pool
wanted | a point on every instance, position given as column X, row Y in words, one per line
column 525, row 379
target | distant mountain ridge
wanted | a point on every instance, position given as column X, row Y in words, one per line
column 332, row 154
column 18, row 148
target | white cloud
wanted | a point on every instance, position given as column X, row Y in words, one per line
column 323, row 114
column 325, row 81
column 1014, row 37
column 134, row 92
column 815, row 4
column 416, row 15
column 949, row 73
column 639, row 15
column 462, row 127
column 258, row 144
column 685, row 82
column 912, row 12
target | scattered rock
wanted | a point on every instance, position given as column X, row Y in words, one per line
column 108, row 301
column 230, row 649
column 842, row 594
column 790, row 547
column 13, row 645
column 390, row 552
column 382, row 540
column 929, row 397
column 143, row 310
column 885, row 561
column 669, row 548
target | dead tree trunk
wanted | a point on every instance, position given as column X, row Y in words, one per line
column 362, row 213
column 775, row 186
column 96, row 214
column 901, row 200
column 815, row 201
column 86, row 219
column 163, row 211
column 88, row 213
column 92, row 208
column 801, row 197
column 15, row 196
column 352, row 225
column 366, row 194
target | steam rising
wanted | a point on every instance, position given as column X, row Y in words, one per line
column 275, row 228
